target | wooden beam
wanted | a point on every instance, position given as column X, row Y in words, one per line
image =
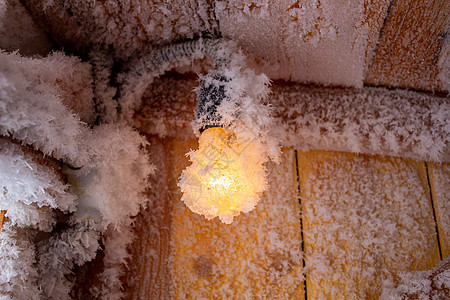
column 440, row 189
column 412, row 46
column 365, row 219
column 368, row 120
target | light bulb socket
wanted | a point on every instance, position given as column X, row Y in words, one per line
column 208, row 127
column 211, row 93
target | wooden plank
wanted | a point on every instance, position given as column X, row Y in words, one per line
column 149, row 273
column 440, row 188
column 365, row 219
column 257, row 256
column 411, row 45
column 375, row 12
column 2, row 218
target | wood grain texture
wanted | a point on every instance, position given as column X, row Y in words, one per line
column 365, row 219
column 257, row 256
column 2, row 218
column 375, row 12
column 149, row 273
column 412, row 46
column 440, row 188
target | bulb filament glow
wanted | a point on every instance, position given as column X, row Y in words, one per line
column 225, row 178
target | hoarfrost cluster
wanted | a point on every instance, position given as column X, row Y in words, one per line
column 94, row 175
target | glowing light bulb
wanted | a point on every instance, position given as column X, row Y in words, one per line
column 226, row 176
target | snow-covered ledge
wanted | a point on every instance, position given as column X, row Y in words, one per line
column 371, row 120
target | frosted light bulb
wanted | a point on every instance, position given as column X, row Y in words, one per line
column 226, row 176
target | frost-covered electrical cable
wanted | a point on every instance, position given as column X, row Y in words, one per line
column 139, row 73
column 246, row 93
column 105, row 104
column 219, row 50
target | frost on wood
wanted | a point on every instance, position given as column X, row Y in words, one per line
column 413, row 47
column 168, row 106
column 305, row 41
column 366, row 219
column 431, row 284
column 371, row 121
column 440, row 188
column 19, row 32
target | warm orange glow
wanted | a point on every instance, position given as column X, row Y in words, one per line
column 2, row 218
column 226, row 176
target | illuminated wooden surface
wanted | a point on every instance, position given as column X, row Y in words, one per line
column 365, row 219
column 2, row 218
column 440, row 187
column 149, row 273
column 258, row 255
column 411, row 44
